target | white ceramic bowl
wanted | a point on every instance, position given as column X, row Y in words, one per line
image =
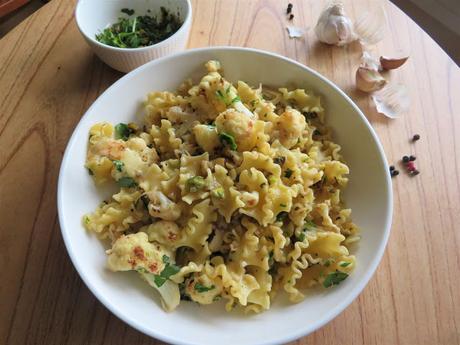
column 369, row 195
column 93, row 16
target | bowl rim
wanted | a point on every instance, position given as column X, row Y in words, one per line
column 184, row 27
column 355, row 291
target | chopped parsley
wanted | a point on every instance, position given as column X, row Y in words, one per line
column 334, row 278
column 283, row 205
column 288, row 173
column 118, row 165
column 169, row 270
column 309, row 225
column 140, row 31
column 218, row 193
column 281, row 217
column 127, row 182
column 195, row 183
column 271, row 260
column 279, row 160
column 229, row 140
column 201, row 288
column 301, row 237
column 122, row 131
column 220, row 95
column 236, row 99
column 90, row 171
column 86, row 219
column 345, row 264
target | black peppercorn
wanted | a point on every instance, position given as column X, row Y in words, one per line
column 412, row 158
column 394, row 173
column 291, row 17
column 415, row 172
column 416, row 137
column 405, row 159
column 392, row 167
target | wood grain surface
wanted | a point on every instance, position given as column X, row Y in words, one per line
column 49, row 77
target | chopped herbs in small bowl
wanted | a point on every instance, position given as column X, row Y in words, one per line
column 126, row 34
column 135, row 31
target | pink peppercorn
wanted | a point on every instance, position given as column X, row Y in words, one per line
column 410, row 166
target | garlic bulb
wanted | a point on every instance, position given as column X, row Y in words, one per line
column 334, row 27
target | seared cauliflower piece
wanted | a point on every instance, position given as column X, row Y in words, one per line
column 135, row 252
column 290, row 126
column 206, row 136
column 240, row 126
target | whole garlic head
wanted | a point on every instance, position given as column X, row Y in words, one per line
column 334, row 27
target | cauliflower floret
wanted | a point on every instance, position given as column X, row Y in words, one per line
column 206, row 136
column 202, row 289
column 162, row 207
column 238, row 125
column 290, row 126
column 163, row 232
column 134, row 252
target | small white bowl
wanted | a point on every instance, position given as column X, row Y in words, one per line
column 369, row 194
column 93, row 16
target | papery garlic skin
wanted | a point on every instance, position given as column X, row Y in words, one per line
column 334, row 27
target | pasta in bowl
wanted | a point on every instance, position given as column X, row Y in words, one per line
column 225, row 191
column 129, row 297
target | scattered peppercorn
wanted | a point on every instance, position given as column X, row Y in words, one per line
column 412, row 158
column 392, row 167
column 394, row 173
column 416, row 137
column 291, row 16
column 415, row 172
column 405, row 159
column 289, row 8
column 410, row 166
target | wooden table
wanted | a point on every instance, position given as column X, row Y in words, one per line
column 49, row 77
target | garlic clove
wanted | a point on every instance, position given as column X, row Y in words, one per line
column 369, row 62
column 369, row 80
column 392, row 63
column 392, row 101
column 334, row 26
column 370, row 25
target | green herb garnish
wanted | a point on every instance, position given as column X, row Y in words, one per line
column 345, row 264
column 301, row 237
column 90, row 172
column 127, row 182
column 169, row 270
column 281, row 217
column 218, row 193
column 140, row 31
column 228, row 139
column 195, row 183
column 86, row 219
column 201, row 288
column 236, row 99
column 279, row 160
column 283, row 205
column 309, row 225
column 288, row 173
column 122, row 131
column 334, row 278
column 118, row 165
column 220, row 95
